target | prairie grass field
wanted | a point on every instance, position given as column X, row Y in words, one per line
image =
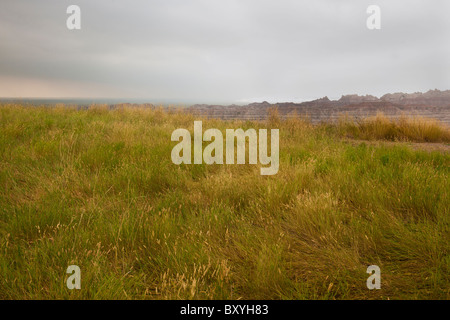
column 97, row 188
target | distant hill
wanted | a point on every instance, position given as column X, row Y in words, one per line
column 432, row 104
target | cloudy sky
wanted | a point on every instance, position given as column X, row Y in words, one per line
column 222, row 51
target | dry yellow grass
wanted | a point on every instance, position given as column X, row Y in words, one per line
column 404, row 128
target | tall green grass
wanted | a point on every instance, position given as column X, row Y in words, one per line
column 97, row 188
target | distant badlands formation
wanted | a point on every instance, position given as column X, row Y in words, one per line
column 432, row 104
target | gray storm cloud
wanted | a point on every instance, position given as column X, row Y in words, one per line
column 222, row 51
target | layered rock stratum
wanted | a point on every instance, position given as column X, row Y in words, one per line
column 431, row 104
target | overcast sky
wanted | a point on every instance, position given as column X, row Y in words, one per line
column 222, row 51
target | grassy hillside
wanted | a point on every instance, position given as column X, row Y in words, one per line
column 97, row 189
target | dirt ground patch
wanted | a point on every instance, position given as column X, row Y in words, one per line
column 426, row 146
